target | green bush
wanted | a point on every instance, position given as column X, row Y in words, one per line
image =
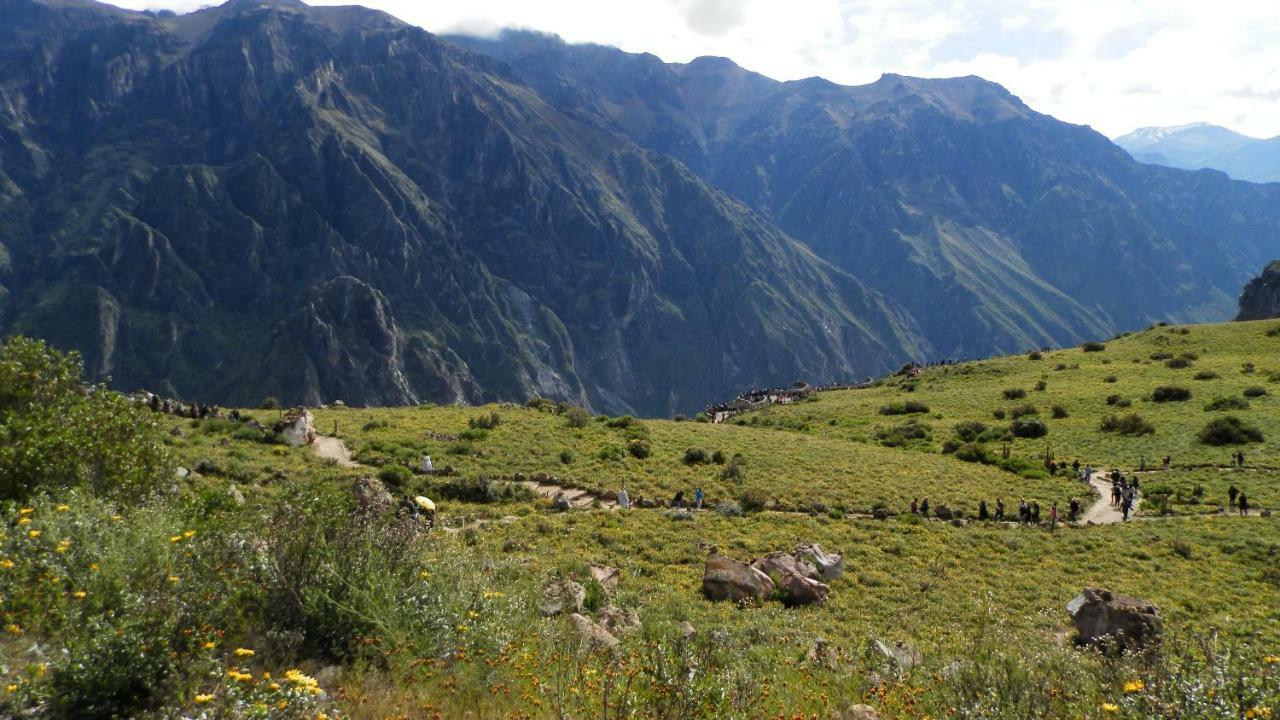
column 639, row 449
column 1178, row 363
column 1028, row 428
column 480, row 490
column 718, row 457
column 55, row 433
column 696, row 456
column 909, row 407
column 576, row 417
column 905, row 434
column 1132, row 424
column 1170, row 393
column 620, row 422
column 972, row 452
column 473, row 434
column 269, row 403
column 1229, row 430
column 1059, row 412
column 1093, row 347
column 566, row 457
column 1023, row 411
column 1014, row 394
column 998, row 414
column 395, row 477
column 610, row 453
column 485, row 422
column 1227, row 403
column 969, row 431
column 753, row 500
column 734, row 471
column 1207, row 375
column 1255, row 392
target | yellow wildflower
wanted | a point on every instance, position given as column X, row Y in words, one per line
column 209, row 645
column 11, row 688
column 41, row 669
column 174, row 578
column 243, row 652
column 203, row 698
column 79, row 594
column 424, row 574
column 274, row 686
column 175, row 538
column 93, row 567
column 26, row 511
column 117, row 518
column 33, row 534
column 24, row 521
column 297, row 677
column 188, row 534
column 1271, row 660
column 6, row 564
column 63, row 508
column 63, row 546
column 13, row 629
column 1134, row 686
column 1257, row 712
column 1110, row 707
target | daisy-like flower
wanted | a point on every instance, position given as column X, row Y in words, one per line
column 1134, row 686
column 1110, row 707
column 203, row 698
column 243, row 653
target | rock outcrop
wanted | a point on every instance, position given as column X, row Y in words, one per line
column 371, row 495
column 297, row 428
column 562, row 596
column 727, row 579
column 795, row 579
column 591, row 632
column 1261, row 297
column 1103, row 617
column 830, row 566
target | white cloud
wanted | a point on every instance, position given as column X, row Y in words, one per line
column 1113, row 65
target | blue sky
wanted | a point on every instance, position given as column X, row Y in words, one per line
column 1113, row 64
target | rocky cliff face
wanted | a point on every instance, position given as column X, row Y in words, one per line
column 997, row 228
column 267, row 198
column 1261, row 297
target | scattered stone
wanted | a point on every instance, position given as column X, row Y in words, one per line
column 236, row 496
column 857, row 712
column 297, row 427
column 591, row 632
column 327, row 677
column 1102, row 616
column 727, row 579
column 942, row 512
column 606, row 576
column 687, row 630
column 823, row 655
column 562, row 596
column 181, row 473
column 561, row 502
column 176, row 431
column 371, row 495
column 679, row 514
column 797, row 579
column 830, row 566
column 901, row 656
column 619, row 620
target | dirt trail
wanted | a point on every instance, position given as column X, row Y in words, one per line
column 332, row 448
column 1102, row 512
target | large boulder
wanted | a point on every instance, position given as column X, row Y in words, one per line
column 591, row 632
column 371, row 495
column 829, row 565
column 606, row 576
column 1103, row 617
column 560, row 503
column 727, row 579
column 562, row 596
column 797, row 579
column 619, row 620
column 297, row 428
column 899, row 656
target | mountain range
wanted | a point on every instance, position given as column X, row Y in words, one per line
column 321, row 203
column 1201, row 145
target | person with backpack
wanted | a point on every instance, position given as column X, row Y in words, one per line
column 1232, row 492
column 999, row 509
column 1243, row 502
column 697, row 497
column 983, row 515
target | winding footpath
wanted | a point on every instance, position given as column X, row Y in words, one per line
column 1102, row 512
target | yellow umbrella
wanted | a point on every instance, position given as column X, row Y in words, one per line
column 425, row 503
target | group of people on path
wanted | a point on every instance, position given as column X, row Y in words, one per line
column 1124, row 491
column 1238, row 500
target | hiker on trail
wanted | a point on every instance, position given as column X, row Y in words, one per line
column 1024, row 512
column 424, row 512
column 999, row 509
column 1074, row 509
column 915, row 506
column 427, row 467
column 1075, row 467
column 678, row 500
column 1088, row 472
column 1243, row 502
column 1167, row 462
column 155, row 403
column 624, row 501
column 1232, row 492
column 1126, row 507
column 1053, row 516
column 1135, row 484
column 1035, row 512
column 1142, row 462
column 982, row 510
column 1241, row 459
column 235, row 415
column 924, row 507
column 1115, row 495
column 697, row 497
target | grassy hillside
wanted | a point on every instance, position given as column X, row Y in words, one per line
column 250, row 587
